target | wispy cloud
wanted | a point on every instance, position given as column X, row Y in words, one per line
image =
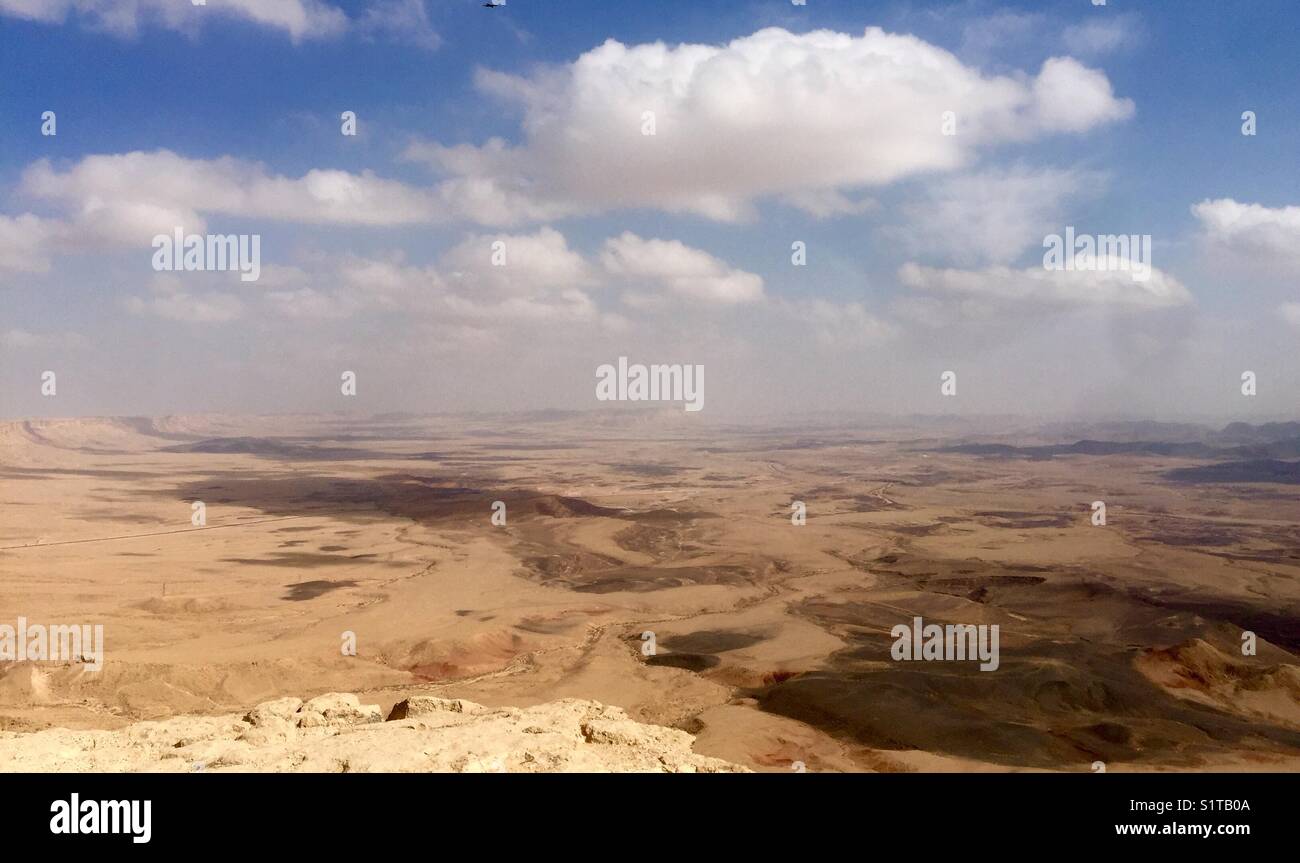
column 301, row 20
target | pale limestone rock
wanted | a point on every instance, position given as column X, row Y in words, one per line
column 269, row 713
column 337, row 709
column 423, row 705
column 336, row 733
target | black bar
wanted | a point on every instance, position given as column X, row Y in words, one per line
column 642, row 814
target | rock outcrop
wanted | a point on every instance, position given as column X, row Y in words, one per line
column 336, row 733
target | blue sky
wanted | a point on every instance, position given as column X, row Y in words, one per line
column 1138, row 123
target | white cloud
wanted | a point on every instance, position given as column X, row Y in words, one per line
column 770, row 114
column 292, row 292
column 839, row 324
column 23, row 243
column 125, row 200
column 46, row 11
column 311, row 303
column 990, row 216
column 531, row 265
column 1037, row 288
column 806, row 118
column 128, row 198
column 542, row 279
column 400, row 21
column 988, row 36
column 1101, row 35
column 1290, row 313
column 569, row 305
column 300, row 19
column 1252, row 229
column 1070, row 97
column 21, row 340
column 672, row 267
column 828, row 203
column 171, row 301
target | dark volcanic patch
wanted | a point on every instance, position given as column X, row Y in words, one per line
column 11, row 472
column 645, row 469
column 1048, row 705
column 917, row 529
column 662, row 543
column 419, row 497
column 542, row 625
column 587, row 572
column 1278, row 626
column 978, row 589
column 711, row 641
column 869, row 503
column 923, row 570
column 289, row 450
column 556, row 506
column 572, row 565
column 645, row 578
column 1066, row 692
column 304, row 590
column 299, row 560
column 688, row 661
column 1195, row 532
column 1024, row 520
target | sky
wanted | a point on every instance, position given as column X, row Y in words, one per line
column 827, row 206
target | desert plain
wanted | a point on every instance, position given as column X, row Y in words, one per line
column 650, row 562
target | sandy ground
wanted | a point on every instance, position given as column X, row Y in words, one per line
column 1119, row 643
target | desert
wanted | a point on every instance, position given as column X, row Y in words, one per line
column 650, row 566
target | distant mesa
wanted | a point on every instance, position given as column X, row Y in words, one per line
column 1256, row 470
column 1235, row 441
column 286, row 449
